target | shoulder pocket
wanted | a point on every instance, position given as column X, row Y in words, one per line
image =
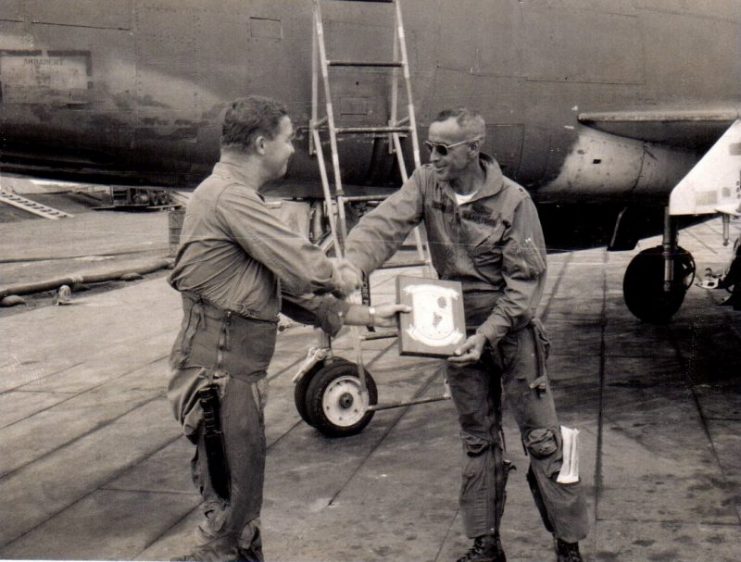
column 526, row 260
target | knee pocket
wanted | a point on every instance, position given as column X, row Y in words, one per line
column 215, row 515
column 541, row 443
column 473, row 445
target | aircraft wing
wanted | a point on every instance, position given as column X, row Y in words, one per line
column 695, row 129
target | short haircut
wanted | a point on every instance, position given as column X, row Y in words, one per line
column 467, row 119
column 248, row 118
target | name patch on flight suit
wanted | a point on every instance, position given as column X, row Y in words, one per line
column 479, row 215
column 443, row 206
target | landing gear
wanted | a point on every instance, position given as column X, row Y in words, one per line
column 657, row 279
column 643, row 284
column 333, row 400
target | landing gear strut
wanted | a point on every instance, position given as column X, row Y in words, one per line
column 657, row 279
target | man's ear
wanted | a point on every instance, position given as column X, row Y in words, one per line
column 474, row 148
column 259, row 144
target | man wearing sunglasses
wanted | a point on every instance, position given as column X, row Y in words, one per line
column 484, row 231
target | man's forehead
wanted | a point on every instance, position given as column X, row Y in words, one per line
column 448, row 129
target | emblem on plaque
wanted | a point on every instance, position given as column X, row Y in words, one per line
column 436, row 324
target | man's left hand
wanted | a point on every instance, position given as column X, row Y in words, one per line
column 470, row 350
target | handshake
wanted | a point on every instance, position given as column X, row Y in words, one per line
column 347, row 277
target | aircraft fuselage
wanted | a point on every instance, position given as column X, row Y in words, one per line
column 131, row 91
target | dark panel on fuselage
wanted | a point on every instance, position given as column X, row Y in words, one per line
column 64, row 98
column 58, row 78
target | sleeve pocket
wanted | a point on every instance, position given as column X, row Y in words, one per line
column 526, row 260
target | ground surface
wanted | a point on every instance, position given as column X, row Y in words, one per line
column 93, row 465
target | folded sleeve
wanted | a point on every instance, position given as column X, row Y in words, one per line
column 325, row 311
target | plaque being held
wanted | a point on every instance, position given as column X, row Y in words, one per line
column 436, row 326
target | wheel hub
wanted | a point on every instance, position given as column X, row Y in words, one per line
column 344, row 401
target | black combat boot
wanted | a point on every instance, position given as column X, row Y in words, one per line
column 568, row 551
column 486, row 548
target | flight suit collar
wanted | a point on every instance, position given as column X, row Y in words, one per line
column 494, row 178
column 232, row 172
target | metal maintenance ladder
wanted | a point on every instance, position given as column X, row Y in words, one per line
column 327, row 394
column 31, row 206
column 395, row 127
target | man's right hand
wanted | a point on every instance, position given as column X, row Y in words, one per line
column 386, row 314
column 348, row 278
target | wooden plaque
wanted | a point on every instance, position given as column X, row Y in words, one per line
column 436, row 326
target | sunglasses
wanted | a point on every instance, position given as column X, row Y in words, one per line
column 443, row 149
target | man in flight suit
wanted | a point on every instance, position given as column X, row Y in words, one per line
column 237, row 267
column 483, row 231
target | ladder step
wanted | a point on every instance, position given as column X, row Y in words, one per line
column 364, row 130
column 364, row 197
column 377, row 64
column 402, row 264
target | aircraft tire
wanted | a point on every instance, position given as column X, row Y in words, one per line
column 334, row 403
column 643, row 285
column 299, row 397
column 301, row 387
